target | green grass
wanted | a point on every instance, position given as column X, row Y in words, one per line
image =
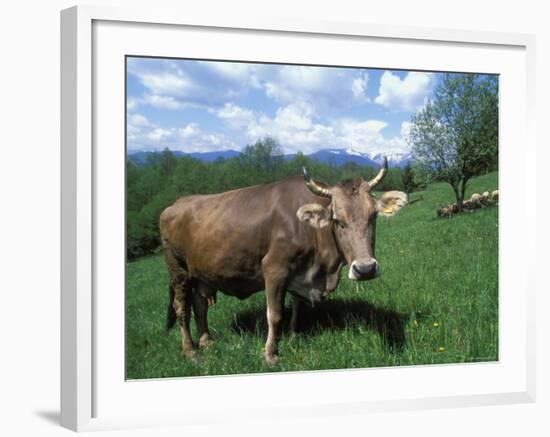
column 436, row 302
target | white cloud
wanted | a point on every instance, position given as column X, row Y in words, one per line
column 367, row 127
column 164, row 102
column 297, row 129
column 235, row 116
column 167, row 83
column 295, row 116
column 189, row 131
column 177, row 85
column 159, row 135
column 365, row 136
column 238, row 72
column 132, row 103
column 156, row 101
column 189, row 138
column 136, row 125
column 359, row 88
column 292, row 82
column 292, row 125
column 326, row 87
column 138, row 120
column 145, row 135
column 407, row 94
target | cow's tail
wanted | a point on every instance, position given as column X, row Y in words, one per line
column 171, row 316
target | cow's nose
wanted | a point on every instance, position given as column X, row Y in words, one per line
column 365, row 270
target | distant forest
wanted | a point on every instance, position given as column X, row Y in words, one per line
column 164, row 177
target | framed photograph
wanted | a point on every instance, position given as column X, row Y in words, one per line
column 270, row 219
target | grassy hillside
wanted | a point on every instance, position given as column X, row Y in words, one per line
column 436, row 302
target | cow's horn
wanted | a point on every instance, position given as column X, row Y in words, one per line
column 314, row 187
column 378, row 178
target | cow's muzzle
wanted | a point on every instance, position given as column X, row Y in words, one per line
column 362, row 271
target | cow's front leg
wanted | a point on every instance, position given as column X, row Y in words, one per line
column 200, row 308
column 275, row 295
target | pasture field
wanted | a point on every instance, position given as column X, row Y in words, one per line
column 436, row 302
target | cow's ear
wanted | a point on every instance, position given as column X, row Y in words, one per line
column 390, row 202
column 314, row 215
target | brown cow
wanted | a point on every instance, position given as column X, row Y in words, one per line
column 287, row 235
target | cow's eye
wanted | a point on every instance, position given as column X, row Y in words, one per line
column 340, row 224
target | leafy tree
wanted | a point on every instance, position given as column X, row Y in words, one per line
column 392, row 181
column 167, row 162
column 455, row 136
column 261, row 160
column 408, row 179
column 293, row 167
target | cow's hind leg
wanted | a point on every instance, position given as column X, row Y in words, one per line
column 296, row 305
column 181, row 295
column 201, row 295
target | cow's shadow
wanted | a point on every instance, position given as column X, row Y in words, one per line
column 332, row 315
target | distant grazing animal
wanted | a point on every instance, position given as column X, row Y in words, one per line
column 475, row 199
column 447, row 211
column 469, row 205
column 295, row 235
column 494, row 196
column 444, row 211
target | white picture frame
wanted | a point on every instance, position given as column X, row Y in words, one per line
column 86, row 376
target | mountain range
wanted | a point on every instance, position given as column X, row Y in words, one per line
column 332, row 156
column 341, row 156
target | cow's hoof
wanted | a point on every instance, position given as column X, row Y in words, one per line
column 205, row 341
column 271, row 360
column 190, row 354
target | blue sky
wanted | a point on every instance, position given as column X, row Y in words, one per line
column 200, row 106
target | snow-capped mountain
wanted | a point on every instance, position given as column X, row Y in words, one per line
column 341, row 156
column 395, row 159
